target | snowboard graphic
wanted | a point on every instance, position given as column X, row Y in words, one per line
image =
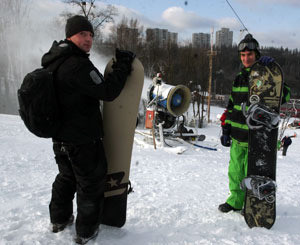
column 119, row 122
column 265, row 91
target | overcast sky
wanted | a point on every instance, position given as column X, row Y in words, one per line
column 272, row 22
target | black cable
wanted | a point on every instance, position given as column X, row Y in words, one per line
column 245, row 28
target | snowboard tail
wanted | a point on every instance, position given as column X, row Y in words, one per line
column 115, row 200
column 259, row 213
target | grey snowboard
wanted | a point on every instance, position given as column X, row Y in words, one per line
column 119, row 119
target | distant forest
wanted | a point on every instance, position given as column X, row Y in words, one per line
column 184, row 64
column 190, row 66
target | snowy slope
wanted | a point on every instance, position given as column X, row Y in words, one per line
column 175, row 197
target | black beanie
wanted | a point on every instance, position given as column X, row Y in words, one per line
column 77, row 24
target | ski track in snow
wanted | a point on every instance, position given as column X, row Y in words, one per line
column 175, row 196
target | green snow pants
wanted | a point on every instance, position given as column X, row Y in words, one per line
column 237, row 171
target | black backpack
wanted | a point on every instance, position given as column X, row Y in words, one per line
column 38, row 102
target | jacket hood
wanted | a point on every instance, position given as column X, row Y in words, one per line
column 61, row 49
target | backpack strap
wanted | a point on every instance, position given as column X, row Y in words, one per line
column 57, row 63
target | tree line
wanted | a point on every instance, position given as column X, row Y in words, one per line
column 188, row 65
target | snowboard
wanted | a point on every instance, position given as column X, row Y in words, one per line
column 119, row 122
column 265, row 92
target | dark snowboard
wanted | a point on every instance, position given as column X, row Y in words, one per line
column 265, row 89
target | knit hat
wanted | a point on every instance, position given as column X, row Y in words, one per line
column 77, row 24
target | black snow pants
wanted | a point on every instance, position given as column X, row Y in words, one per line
column 284, row 150
column 82, row 169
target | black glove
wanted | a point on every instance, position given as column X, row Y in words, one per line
column 225, row 138
column 266, row 60
column 124, row 61
column 125, row 56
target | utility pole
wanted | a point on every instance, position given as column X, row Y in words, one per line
column 211, row 53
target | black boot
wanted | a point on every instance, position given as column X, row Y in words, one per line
column 60, row 227
column 83, row 240
column 225, row 208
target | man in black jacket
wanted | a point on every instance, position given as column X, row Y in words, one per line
column 78, row 145
column 285, row 143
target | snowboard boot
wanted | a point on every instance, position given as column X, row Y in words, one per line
column 83, row 240
column 225, row 208
column 56, row 227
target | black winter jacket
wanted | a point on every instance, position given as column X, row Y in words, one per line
column 235, row 118
column 79, row 87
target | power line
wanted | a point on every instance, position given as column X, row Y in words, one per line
column 245, row 28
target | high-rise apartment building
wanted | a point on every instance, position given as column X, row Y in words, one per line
column 128, row 37
column 201, row 40
column 173, row 37
column 224, row 38
column 125, row 32
column 161, row 36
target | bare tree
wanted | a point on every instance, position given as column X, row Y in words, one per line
column 153, row 59
column 98, row 17
column 127, row 35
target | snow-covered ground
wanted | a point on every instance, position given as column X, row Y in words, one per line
column 175, row 197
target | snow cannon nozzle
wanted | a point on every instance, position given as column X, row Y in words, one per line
column 174, row 99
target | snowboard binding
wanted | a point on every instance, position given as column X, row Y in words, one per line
column 259, row 116
column 261, row 186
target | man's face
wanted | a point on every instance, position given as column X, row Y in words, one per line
column 83, row 40
column 248, row 58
